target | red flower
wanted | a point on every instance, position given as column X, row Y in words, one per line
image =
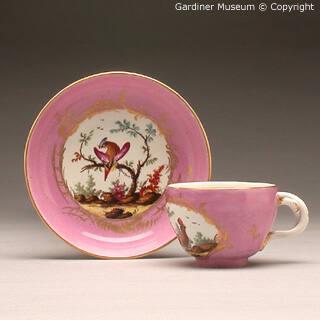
column 152, row 182
column 118, row 191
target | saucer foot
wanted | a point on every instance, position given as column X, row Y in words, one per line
column 221, row 263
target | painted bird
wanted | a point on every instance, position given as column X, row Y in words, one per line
column 111, row 155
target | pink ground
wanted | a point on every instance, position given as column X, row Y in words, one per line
column 142, row 95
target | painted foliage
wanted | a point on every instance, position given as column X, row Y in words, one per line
column 116, row 164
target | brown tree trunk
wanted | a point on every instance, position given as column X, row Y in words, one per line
column 134, row 178
column 133, row 186
column 134, row 175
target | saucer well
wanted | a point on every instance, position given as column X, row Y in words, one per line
column 100, row 155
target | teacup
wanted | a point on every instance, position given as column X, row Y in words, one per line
column 222, row 224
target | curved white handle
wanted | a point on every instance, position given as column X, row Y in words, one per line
column 300, row 211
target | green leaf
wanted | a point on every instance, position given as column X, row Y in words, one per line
column 84, row 138
column 129, row 163
column 90, row 157
column 150, row 130
column 88, row 189
column 79, row 188
column 151, row 161
column 132, row 133
column 199, row 239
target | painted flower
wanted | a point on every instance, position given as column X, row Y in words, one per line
column 118, row 191
column 152, row 182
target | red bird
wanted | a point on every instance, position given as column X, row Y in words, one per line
column 112, row 154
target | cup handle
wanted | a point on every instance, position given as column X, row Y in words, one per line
column 300, row 211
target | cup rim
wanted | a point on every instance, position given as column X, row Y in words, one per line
column 220, row 185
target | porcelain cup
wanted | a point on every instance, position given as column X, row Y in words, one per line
column 222, row 224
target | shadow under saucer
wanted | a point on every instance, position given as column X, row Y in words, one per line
column 76, row 255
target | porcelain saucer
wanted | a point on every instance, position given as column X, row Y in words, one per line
column 100, row 155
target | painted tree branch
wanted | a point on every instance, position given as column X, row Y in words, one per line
column 133, row 174
column 147, row 150
column 119, row 166
column 86, row 158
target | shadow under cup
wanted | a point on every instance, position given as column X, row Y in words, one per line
column 221, row 224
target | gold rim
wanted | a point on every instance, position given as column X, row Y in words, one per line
column 61, row 92
column 214, row 185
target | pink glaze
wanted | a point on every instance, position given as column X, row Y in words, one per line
column 244, row 215
column 144, row 95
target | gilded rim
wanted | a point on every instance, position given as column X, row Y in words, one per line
column 196, row 185
column 61, row 92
